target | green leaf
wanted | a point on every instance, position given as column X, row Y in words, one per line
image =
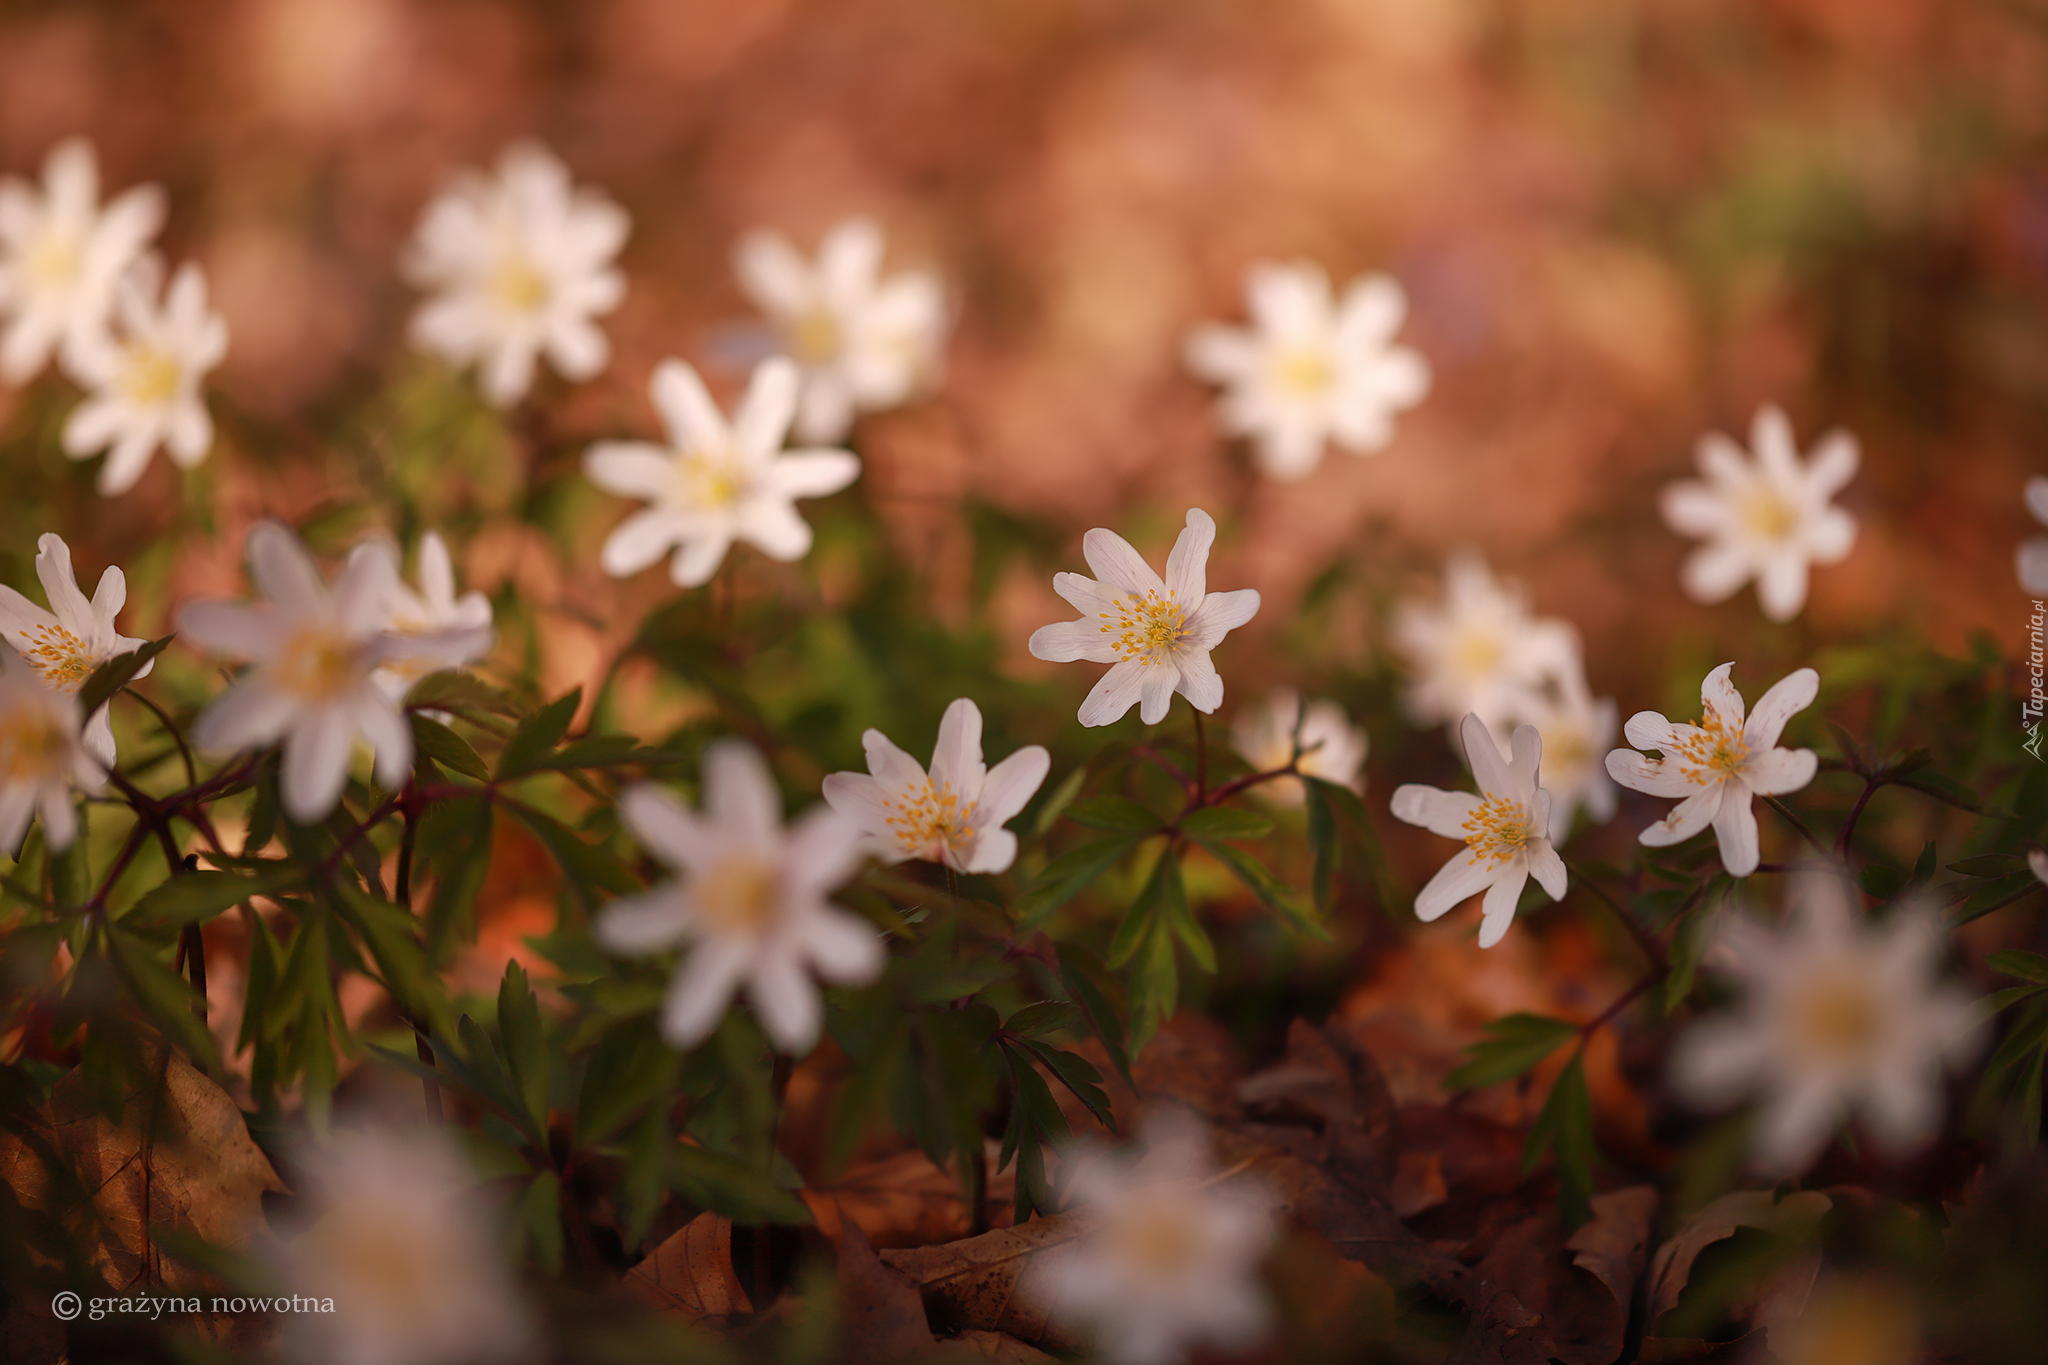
column 726, row 1185
column 1942, row 788
column 1078, row 971
column 596, row 751
column 1142, row 917
column 540, row 1221
column 453, row 847
column 462, row 693
column 1173, row 904
column 1047, row 1016
column 1513, row 1044
column 519, row 1025
column 392, row 936
column 1057, row 803
column 1221, row 822
column 1989, row 865
column 166, row 997
column 1565, row 1128
column 1998, row 1001
column 630, row 1069
column 1688, row 946
column 192, row 897
column 71, row 870
column 436, row 741
column 1068, row 875
column 1115, row 813
column 1265, row 886
column 1080, row 1078
column 1322, row 843
column 538, row 734
column 115, row 674
column 586, row 868
column 1155, row 989
column 2019, row 963
column 1996, row 896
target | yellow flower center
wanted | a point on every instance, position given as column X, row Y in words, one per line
column 1155, row 1237
column 1713, row 752
column 53, row 261
column 925, row 815
column 739, row 895
column 1144, row 628
column 712, row 479
column 1766, row 514
column 1834, row 1018
column 148, row 375
column 60, row 657
column 33, row 747
column 318, row 664
column 516, row 286
column 1477, row 653
column 1304, row 372
column 1498, row 829
column 816, row 337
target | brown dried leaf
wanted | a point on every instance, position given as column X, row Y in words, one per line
column 690, row 1276
column 1582, row 1321
column 881, row 1314
column 985, row 1281
column 1614, row 1243
column 1792, row 1217
column 905, row 1200
column 1002, row 1348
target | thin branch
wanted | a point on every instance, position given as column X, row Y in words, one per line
column 1855, row 813
column 1793, row 820
column 170, row 728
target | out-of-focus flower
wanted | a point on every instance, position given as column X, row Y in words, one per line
column 713, row 483
column 2032, row 558
column 1838, row 1014
column 954, row 815
column 65, row 644
column 864, row 343
column 2037, row 859
column 1766, row 518
column 1158, row 634
column 1505, row 828
column 404, row 1251
column 1311, row 368
column 1720, row 765
column 432, row 610
column 43, row 758
column 60, row 254
column 1268, row 734
column 1479, row 650
column 1578, row 729
column 145, row 379
column 316, row 653
column 1853, row 1319
column 1169, row 1254
column 519, row 265
column 751, row 903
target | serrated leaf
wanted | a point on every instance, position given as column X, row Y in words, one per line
column 454, row 848
column 166, row 997
column 1057, row 803
column 540, row 1221
column 2020, row 964
column 519, row 1025
column 537, row 735
column 1268, row 888
column 193, row 897
column 1173, row 905
column 1222, row 822
column 1155, row 987
column 1989, row 865
column 1114, row 813
column 116, row 673
column 1047, row 1016
column 1564, row 1127
column 1688, row 946
column 463, row 693
column 1513, row 1044
column 1080, row 1078
column 436, row 741
column 1322, row 843
column 1077, row 973
column 1942, row 788
column 1142, row 917
column 726, row 1185
column 1068, row 875
column 586, row 868
column 597, row 751
column 1996, row 896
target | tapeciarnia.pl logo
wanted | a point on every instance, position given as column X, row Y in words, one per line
column 2037, row 697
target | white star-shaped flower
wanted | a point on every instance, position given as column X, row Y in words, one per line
column 65, row 644
column 1479, row 650
column 1766, row 518
column 1720, row 765
column 751, row 903
column 2033, row 554
column 1168, row 1255
column 316, row 653
column 43, row 758
column 60, row 254
column 1311, row 369
column 1577, row 729
column 1505, row 829
column 432, row 610
column 1839, row 1014
column 1269, row 734
column 713, row 483
column 953, row 815
column 145, row 379
column 1157, row 633
column 864, row 343
column 403, row 1257
column 519, row 265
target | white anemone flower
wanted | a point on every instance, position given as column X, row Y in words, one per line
column 1270, row 734
column 1505, row 829
column 953, row 815
column 402, row 1259
column 751, row 903
column 1157, row 633
column 1578, row 729
column 432, row 610
column 1169, row 1252
column 865, row 343
column 2033, row 554
column 145, row 378
column 1839, row 1014
column 1311, row 369
column 65, row 644
column 519, row 265
column 60, row 254
column 1720, row 765
column 1768, row 517
column 316, row 653
column 1479, row 650
column 43, row 758
column 714, row 483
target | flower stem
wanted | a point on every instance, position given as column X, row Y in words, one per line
column 1785, row 811
column 1848, row 833
column 1201, row 759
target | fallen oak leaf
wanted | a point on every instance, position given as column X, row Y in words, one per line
column 1615, row 1242
column 1792, row 1217
column 1584, row 1302
column 1001, row 1347
column 881, row 1314
column 986, row 1282
column 690, row 1276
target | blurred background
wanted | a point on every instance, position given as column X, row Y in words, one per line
column 1621, row 223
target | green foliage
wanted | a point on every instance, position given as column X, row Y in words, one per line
column 1513, row 1044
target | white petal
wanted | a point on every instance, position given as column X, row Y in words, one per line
column 1483, row 756
column 1714, row 573
column 630, row 469
column 1438, row 811
column 702, row 990
column 1687, row 818
column 813, row 473
column 1457, row 881
column 1011, row 783
column 1781, row 587
column 1117, row 565
column 824, row 849
column 246, row 715
column 645, row 923
column 1735, row 830
column 667, row 828
column 1219, row 614
column 639, row 541
column 1649, row 730
column 1116, row 693
column 956, row 760
column 787, row 1003
column 1497, row 912
column 1187, row 565
column 1548, row 869
column 766, row 410
column 740, row 795
column 1719, row 696
column 1065, row 642
column 1658, row 777
column 773, row 527
column 699, row 557
column 1155, row 692
column 694, row 422
column 1199, row 681
column 843, row 948
column 1788, row 696
column 860, row 799
column 315, row 767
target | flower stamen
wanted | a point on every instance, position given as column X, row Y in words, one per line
column 1147, row 629
column 1498, row 829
